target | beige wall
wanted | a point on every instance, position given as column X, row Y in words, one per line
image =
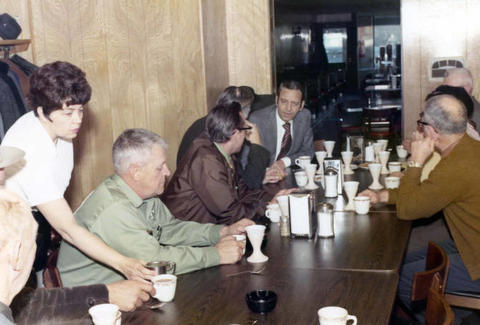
column 151, row 64
column 435, row 28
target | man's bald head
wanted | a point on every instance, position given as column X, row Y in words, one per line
column 446, row 114
column 459, row 77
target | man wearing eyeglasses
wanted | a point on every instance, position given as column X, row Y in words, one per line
column 453, row 187
column 206, row 187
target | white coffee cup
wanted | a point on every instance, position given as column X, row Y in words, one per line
column 302, row 161
column 301, row 178
column 333, row 315
column 392, row 182
column 401, row 152
column 165, row 285
column 273, row 212
column 242, row 238
column 105, row 314
column 362, row 204
column 395, row 166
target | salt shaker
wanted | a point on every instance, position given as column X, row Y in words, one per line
column 325, row 220
column 331, row 179
column 284, row 226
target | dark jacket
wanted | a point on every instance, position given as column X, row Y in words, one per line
column 58, row 305
column 205, row 189
column 256, row 163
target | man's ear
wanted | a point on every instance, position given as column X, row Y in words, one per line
column 301, row 106
column 135, row 171
column 276, row 99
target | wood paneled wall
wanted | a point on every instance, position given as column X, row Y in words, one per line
column 151, row 64
column 435, row 28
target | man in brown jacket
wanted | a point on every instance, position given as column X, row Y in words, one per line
column 206, row 187
column 453, row 187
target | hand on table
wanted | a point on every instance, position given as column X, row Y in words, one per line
column 237, row 228
column 230, row 250
column 129, row 294
column 375, row 197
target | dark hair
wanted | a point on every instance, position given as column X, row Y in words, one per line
column 222, row 120
column 458, row 92
column 243, row 95
column 292, row 85
column 57, row 83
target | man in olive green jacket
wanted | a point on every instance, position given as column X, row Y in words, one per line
column 126, row 213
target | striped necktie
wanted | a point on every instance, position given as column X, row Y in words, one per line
column 286, row 141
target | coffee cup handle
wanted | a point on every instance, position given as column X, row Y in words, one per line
column 297, row 162
column 352, row 318
column 171, row 267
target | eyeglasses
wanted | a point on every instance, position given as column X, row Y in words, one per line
column 245, row 128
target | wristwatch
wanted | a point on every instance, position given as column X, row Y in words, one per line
column 412, row 163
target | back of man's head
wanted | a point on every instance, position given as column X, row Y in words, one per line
column 244, row 95
column 290, row 84
column 222, row 120
column 446, row 114
column 18, row 231
column 134, row 146
column 459, row 77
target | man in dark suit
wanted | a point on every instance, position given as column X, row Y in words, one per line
column 285, row 128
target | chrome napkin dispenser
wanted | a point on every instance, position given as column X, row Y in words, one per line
column 301, row 220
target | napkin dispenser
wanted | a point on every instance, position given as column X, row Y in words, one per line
column 301, row 220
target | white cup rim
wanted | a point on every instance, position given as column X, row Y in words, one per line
column 255, row 228
column 104, row 311
column 338, row 312
column 164, row 276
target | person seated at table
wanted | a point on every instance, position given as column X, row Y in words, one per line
column 126, row 213
column 453, row 187
column 460, row 94
column 285, row 127
column 18, row 230
column 253, row 171
column 206, row 186
column 462, row 77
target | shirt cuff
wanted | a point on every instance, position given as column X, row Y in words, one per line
column 215, row 233
column 287, row 161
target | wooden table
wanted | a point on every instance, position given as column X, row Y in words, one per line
column 208, row 297
column 357, row 269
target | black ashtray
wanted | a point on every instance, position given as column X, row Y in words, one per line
column 261, row 301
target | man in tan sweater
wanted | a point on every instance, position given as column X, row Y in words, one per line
column 453, row 186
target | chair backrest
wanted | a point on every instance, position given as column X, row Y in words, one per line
column 436, row 262
column 51, row 275
column 438, row 311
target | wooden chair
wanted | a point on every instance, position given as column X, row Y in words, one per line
column 438, row 311
column 437, row 262
column 51, row 275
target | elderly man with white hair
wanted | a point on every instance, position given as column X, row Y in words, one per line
column 452, row 187
column 462, row 77
column 126, row 213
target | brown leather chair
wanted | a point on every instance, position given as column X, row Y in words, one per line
column 438, row 311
